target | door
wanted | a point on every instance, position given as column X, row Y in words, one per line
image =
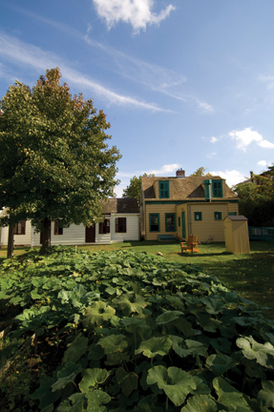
column 90, row 234
column 183, row 225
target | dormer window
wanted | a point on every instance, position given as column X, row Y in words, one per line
column 217, row 188
column 164, row 189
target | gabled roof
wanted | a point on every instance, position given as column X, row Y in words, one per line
column 121, row 205
column 190, row 187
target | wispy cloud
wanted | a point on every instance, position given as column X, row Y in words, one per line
column 156, row 78
column 269, row 80
column 212, row 155
column 28, row 55
column 138, row 13
column 246, row 136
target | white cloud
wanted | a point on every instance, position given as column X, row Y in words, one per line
column 266, row 144
column 166, row 169
column 262, row 163
column 213, row 139
column 232, row 176
column 246, row 136
column 211, row 155
column 136, row 12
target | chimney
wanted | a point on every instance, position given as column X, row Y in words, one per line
column 180, row 174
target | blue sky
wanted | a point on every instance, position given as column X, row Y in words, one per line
column 184, row 83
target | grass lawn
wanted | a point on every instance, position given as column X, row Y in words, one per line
column 251, row 275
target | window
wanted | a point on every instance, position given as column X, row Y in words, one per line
column 104, row 227
column 232, row 213
column 154, row 222
column 20, row 228
column 164, row 189
column 170, row 222
column 120, row 224
column 57, row 230
column 218, row 215
column 217, row 188
column 197, row 215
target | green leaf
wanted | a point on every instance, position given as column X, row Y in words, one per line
column 176, row 383
column 76, row 349
column 213, row 305
column 168, row 316
column 130, row 303
column 76, row 404
column 98, row 313
column 93, row 377
column 96, row 398
column 229, row 398
column 113, row 343
column 263, row 353
column 155, row 346
column 128, row 381
column 266, row 395
column 44, row 393
column 219, row 364
column 62, row 382
column 200, row 403
column 35, row 295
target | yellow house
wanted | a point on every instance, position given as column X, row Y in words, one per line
column 180, row 206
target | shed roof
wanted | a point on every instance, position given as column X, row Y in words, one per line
column 238, row 217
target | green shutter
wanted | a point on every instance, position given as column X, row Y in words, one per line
column 164, row 189
column 217, row 188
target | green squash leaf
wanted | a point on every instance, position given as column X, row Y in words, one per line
column 219, row 364
column 98, row 313
column 93, row 377
column 229, row 398
column 263, row 353
column 113, row 343
column 96, row 398
column 176, row 383
column 76, row 349
column 200, row 403
column 168, row 316
column 266, row 395
column 155, row 346
column 127, row 381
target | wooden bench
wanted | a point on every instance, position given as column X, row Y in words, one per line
column 166, row 238
column 191, row 245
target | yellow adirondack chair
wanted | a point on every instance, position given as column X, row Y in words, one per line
column 191, row 245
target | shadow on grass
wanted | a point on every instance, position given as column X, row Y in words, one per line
column 251, row 276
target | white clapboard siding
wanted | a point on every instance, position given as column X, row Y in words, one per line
column 75, row 234
column 132, row 226
column 19, row 240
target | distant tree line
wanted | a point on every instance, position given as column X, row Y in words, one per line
column 257, row 198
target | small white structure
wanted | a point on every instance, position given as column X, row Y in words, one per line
column 121, row 223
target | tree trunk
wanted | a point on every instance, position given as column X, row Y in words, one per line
column 46, row 238
column 10, row 241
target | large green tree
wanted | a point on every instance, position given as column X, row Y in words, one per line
column 55, row 164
